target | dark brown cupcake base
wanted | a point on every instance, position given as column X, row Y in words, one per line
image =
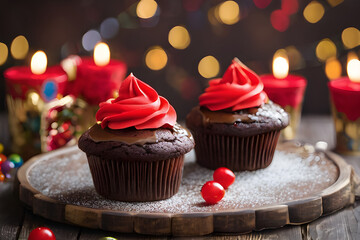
column 236, row 153
column 136, row 181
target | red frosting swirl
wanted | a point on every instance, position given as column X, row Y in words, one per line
column 239, row 88
column 138, row 105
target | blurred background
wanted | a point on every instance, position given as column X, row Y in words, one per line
column 177, row 46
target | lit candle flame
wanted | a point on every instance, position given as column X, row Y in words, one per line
column 280, row 65
column 101, row 54
column 38, row 63
column 353, row 70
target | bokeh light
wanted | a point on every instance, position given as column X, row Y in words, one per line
column 179, row 37
column 262, row 3
column 209, row 67
column 279, row 20
column 333, row 68
column 109, row 28
column 127, row 21
column 69, row 65
column 33, row 98
column 296, row 60
column 213, row 16
column 19, row 47
column 156, row 58
column 229, row 12
column 90, row 39
column 151, row 22
column 289, row 6
column 325, row 49
column 313, row 12
column 350, row 37
column 146, row 9
column 4, row 52
column 334, row 3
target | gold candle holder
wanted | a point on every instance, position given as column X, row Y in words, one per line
column 290, row 131
column 24, row 123
column 347, row 133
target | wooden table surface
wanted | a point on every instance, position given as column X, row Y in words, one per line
column 16, row 222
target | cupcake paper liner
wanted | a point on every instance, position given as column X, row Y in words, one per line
column 136, row 180
column 236, row 153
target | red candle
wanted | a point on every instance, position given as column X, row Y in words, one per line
column 21, row 80
column 345, row 96
column 345, row 92
column 285, row 90
column 27, row 90
column 97, row 79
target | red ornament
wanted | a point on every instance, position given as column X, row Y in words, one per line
column 2, row 159
column 212, row 192
column 2, row 177
column 224, row 176
column 41, row 233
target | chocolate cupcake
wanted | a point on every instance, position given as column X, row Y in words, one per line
column 136, row 151
column 236, row 126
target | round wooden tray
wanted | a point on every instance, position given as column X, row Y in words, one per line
column 240, row 220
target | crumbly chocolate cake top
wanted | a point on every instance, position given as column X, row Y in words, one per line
column 132, row 144
column 246, row 122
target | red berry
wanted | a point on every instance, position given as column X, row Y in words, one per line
column 224, row 176
column 212, row 192
column 41, row 233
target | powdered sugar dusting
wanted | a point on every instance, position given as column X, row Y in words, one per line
column 291, row 176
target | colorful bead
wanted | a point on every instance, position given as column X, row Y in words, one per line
column 7, row 166
column 1, row 148
column 2, row 158
column 2, row 177
column 16, row 159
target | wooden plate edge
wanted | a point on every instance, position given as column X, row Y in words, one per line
column 203, row 223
